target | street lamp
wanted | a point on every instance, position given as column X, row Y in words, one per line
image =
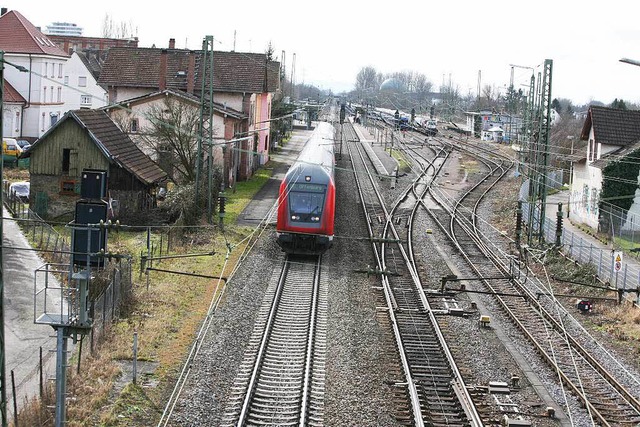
column 630, row 61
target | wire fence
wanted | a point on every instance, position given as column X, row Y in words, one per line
column 112, row 288
column 620, row 225
column 624, row 276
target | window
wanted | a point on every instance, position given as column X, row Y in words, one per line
column 82, row 81
column 59, row 93
column 51, row 93
column 53, row 70
column 17, row 122
column 60, row 70
column 306, row 202
column 66, row 80
column 66, row 161
column 85, row 99
column 592, row 150
column 44, row 96
column 68, row 187
column 134, row 125
column 54, row 118
column 46, row 68
column 42, row 128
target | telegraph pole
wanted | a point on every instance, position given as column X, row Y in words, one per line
column 3, row 380
column 538, row 157
column 205, row 128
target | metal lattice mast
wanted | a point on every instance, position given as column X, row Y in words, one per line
column 3, row 379
column 205, row 128
column 540, row 157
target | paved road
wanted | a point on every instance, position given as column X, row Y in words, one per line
column 23, row 338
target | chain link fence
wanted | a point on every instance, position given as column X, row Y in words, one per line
column 585, row 251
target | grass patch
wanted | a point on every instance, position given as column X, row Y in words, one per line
column 403, row 164
column 166, row 316
column 239, row 198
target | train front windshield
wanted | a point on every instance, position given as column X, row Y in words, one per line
column 306, row 202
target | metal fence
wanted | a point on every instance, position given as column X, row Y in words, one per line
column 585, row 251
column 105, row 307
column 620, row 225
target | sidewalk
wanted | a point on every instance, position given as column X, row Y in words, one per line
column 23, row 338
column 262, row 204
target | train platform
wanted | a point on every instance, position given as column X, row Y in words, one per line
column 262, row 205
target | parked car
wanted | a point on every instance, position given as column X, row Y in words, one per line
column 10, row 149
column 19, row 191
column 24, row 144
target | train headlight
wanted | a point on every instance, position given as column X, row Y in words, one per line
column 295, row 217
column 315, row 218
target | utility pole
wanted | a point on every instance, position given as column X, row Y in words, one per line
column 293, row 75
column 205, row 127
column 3, row 380
column 538, row 157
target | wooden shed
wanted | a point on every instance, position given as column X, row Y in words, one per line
column 89, row 139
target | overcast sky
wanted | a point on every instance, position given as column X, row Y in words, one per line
column 449, row 39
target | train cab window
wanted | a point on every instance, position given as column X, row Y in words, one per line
column 306, row 202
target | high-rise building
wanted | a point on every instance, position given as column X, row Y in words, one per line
column 63, row 29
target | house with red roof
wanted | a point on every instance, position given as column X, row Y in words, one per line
column 13, row 105
column 42, row 85
column 243, row 83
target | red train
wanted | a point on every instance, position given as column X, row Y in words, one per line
column 306, row 203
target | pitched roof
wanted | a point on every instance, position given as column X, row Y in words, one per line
column 232, row 71
column 615, row 155
column 612, row 126
column 114, row 144
column 10, row 94
column 217, row 107
column 18, row 35
column 93, row 59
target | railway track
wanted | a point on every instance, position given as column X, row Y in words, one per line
column 435, row 389
column 281, row 380
column 529, row 306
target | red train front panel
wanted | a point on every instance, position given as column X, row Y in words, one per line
column 306, row 212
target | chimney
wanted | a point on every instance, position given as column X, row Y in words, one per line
column 172, row 43
column 162, row 83
column 3, row 11
column 191, row 78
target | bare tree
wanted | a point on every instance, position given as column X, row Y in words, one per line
column 119, row 30
column 172, row 135
column 367, row 78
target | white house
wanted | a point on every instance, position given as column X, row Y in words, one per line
column 36, row 74
column 13, row 106
column 610, row 133
column 81, row 77
column 495, row 134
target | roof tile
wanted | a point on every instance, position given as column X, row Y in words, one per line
column 233, row 71
column 612, row 126
column 18, row 35
column 118, row 144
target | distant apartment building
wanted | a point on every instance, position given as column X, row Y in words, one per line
column 63, row 29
